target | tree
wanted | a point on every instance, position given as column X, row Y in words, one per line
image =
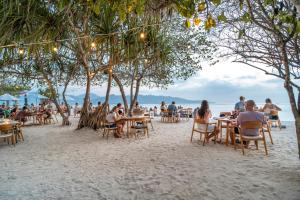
column 266, row 37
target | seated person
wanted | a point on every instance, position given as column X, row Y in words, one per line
column 112, row 119
column 14, row 110
column 21, row 116
column 204, row 114
column 271, row 110
column 163, row 106
column 120, row 109
column 155, row 111
column 76, row 109
column 172, row 108
column 47, row 114
column 136, row 106
column 240, row 106
column 249, row 115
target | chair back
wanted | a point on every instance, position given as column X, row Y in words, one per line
column 199, row 121
column 251, row 125
column 137, row 112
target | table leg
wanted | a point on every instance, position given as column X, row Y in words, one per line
column 227, row 133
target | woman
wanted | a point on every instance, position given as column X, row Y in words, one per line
column 204, row 114
column 271, row 110
column 163, row 106
column 112, row 119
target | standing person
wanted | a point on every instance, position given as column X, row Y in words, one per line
column 76, row 109
column 204, row 114
column 240, row 106
column 271, row 110
column 155, row 111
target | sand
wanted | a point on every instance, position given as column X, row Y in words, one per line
column 56, row 162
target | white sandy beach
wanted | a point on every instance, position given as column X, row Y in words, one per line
column 56, row 162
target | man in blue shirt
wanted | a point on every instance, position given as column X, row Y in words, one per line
column 240, row 106
column 172, row 107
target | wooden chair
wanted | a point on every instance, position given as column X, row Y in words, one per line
column 164, row 116
column 7, row 132
column 224, row 125
column 19, row 132
column 266, row 127
column 108, row 129
column 252, row 125
column 141, row 125
column 277, row 122
column 204, row 132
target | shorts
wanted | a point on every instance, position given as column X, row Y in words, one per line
column 273, row 117
column 111, row 126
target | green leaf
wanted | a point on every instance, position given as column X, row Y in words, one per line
column 216, row 2
column 241, row 33
column 222, row 17
column 246, row 17
column 241, row 4
column 298, row 27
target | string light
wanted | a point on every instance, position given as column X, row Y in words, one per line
column 55, row 49
column 146, row 60
column 189, row 46
column 142, row 35
column 21, row 51
column 93, row 44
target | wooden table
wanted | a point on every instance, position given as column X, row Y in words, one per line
column 131, row 120
column 229, row 123
column 9, row 122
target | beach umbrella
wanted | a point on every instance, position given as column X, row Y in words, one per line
column 8, row 97
column 42, row 97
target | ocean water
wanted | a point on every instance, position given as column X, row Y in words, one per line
column 284, row 115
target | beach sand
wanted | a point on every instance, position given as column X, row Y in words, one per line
column 56, row 162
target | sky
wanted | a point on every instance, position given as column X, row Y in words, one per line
column 223, row 82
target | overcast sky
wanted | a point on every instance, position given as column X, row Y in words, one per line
column 221, row 83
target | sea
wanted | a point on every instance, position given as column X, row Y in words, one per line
column 284, row 115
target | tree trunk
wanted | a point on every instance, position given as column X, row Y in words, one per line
column 290, row 91
column 136, row 94
column 122, row 91
column 84, row 115
column 65, row 118
column 65, row 100
column 97, row 118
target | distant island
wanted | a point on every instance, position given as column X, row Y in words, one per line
column 142, row 99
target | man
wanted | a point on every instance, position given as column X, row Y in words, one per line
column 172, row 108
column 250, row 115
column 240, row 106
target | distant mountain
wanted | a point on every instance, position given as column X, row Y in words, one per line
column 142, row 99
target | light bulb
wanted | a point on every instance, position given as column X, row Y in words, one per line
column 142, row 35
column 55, row 49
column 93, row 44
column 21, row 51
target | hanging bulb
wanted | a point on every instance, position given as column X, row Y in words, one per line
column 55, row 49
column 146, row 60
column 142, row 35
column 21, row 51
column 93, row 44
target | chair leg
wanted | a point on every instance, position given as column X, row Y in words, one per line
column 242, row 144
column 192, row 136
column 265, row 145
column 205, row 138
column 256, row 144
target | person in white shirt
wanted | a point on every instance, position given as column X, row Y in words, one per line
column 112, row 119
